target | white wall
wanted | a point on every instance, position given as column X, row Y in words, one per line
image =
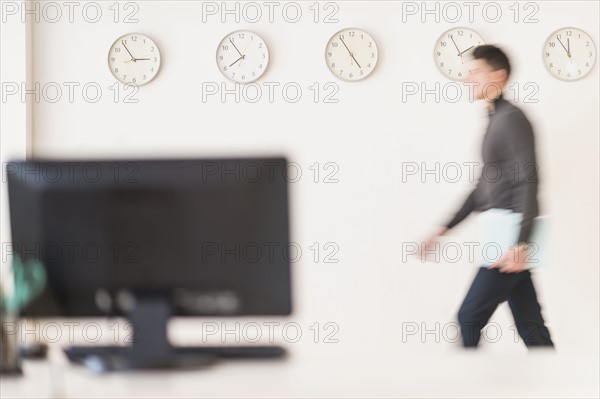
column 15, row 117
column 368, row 133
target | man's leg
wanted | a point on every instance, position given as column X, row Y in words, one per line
column 489, row 289
column 527, row 313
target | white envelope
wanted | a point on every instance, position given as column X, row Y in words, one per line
column 499, row 229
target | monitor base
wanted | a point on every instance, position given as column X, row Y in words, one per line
column 151, row 349
column 121, row 358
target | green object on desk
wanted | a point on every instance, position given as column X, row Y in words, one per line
column 30, row 280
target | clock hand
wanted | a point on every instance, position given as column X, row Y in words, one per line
column 132, row 57
column 137, row 59
column 356, row 61
column 563, row 46
column 457, row 49
column 234, row 46
column 241, row 58
column 344, row 43
column 569, row 47
column 465, row 50
column 350, row 52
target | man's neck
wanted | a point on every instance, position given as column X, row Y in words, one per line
column 491, row 104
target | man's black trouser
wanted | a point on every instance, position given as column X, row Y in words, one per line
column 489, row 289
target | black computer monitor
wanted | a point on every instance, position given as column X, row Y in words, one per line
column 149, row 239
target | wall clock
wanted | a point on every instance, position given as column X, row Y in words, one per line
column 351, row 54
column 454, row 50
column 134, row 58
column 243, row 56
column 569, row 54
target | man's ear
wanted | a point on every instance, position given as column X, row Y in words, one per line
column 500, row 75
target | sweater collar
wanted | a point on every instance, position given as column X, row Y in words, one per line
column 497, row 102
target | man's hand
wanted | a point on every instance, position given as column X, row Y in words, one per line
column 431, row 242
column 513, row 260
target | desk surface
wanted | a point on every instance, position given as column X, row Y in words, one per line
column 325, row 373
column 371, row 358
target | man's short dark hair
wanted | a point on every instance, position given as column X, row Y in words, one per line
column 493, row 56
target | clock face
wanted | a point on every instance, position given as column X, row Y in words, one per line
column 243, row 56
column 454, row 51
column 134, row 58
column 351, row 54
column 569, row 54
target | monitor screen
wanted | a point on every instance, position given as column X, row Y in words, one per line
column 209, row 235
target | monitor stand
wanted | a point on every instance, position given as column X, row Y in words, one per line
column 151, row 348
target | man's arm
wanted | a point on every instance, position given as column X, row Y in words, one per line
column 521, row 147
column 464, row 211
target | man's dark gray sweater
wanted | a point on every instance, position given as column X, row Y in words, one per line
column 509, row 178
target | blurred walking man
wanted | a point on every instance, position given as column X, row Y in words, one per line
column 508, row 145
